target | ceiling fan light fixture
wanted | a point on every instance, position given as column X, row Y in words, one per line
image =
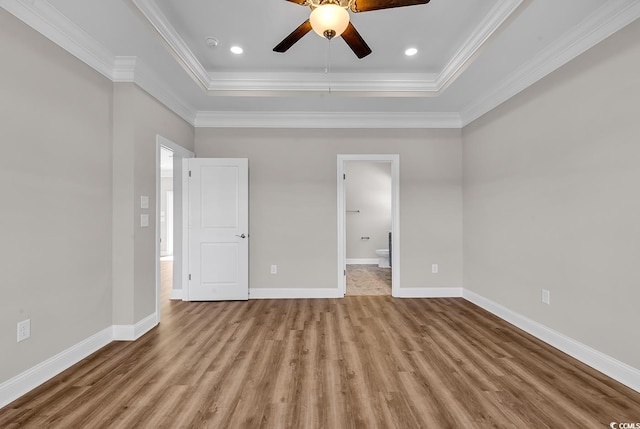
column 329, row 20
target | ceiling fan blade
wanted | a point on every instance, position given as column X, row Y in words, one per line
column 356, row 42
column 367, row 5
column 300, row 2
column 292, row 38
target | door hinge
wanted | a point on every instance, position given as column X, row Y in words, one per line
column 344, row 176
column 345, row 272
column 189, row 276
column 189, row 173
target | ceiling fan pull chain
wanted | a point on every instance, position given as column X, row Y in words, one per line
column 327, row 62
column 327, row 68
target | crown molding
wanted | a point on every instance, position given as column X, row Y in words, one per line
column 48, row 21
column 611, row 17
column 260, row 83
column 124, row 69
column 51, row 23
column 221, row 119
column 465, row 55
column 175, row 43
column 148, row 80
column 375, row 84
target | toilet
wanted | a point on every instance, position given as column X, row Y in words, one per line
column 383, row 258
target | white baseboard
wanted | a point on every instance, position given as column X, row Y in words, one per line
column 17, row 386
column 176, row 294
column 133, row 332
column 293, row 293
column 620, row 371
column 428, row 292
column 361, row 261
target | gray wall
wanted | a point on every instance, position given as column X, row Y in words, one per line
column 293, row 195
column 551, row 200
column 55, row 182
column 78, row 153
column 138, row 118
column 367, row 189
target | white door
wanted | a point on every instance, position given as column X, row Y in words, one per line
column 218, row 229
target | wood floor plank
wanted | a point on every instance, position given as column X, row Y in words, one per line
column 358, row 362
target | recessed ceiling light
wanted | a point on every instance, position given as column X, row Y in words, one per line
column 236, row 50
column 411, row 52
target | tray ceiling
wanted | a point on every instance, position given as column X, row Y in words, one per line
column 472, row 55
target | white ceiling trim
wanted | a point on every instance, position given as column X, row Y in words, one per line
column 612, row 16
column 48, row 21
column 327, row 120
column 465, row 55
column 124, row 69
column 132, row 70
column 374, row 84
column 148, row 80
column 422, row 84
column 175, row 43
column 51, row 23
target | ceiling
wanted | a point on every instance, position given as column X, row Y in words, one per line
column 472, row 55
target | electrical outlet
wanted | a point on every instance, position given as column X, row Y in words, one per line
column 546, row 296
column 434, row 268
column 274, row 269
column 24, row 330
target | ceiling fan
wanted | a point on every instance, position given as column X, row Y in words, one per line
column 330, row 18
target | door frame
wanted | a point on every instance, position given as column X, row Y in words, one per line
column 179, row 153
column 394, row 160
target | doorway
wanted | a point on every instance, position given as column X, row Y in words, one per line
column 368, row 227
column 169, row 221
column 368, row 224
column 166, row 223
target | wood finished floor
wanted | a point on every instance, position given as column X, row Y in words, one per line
column 368, row 280
column 357, row 362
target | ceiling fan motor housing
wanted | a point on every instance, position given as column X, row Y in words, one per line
column 316, row 3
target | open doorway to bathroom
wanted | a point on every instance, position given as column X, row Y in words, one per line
column 368, row 222
column 367, row 186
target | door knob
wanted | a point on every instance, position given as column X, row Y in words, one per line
column 241, row 236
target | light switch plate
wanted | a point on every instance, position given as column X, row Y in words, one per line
column 546, row 296
column 24, row 330
column 144, row 202
column 144, row 220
